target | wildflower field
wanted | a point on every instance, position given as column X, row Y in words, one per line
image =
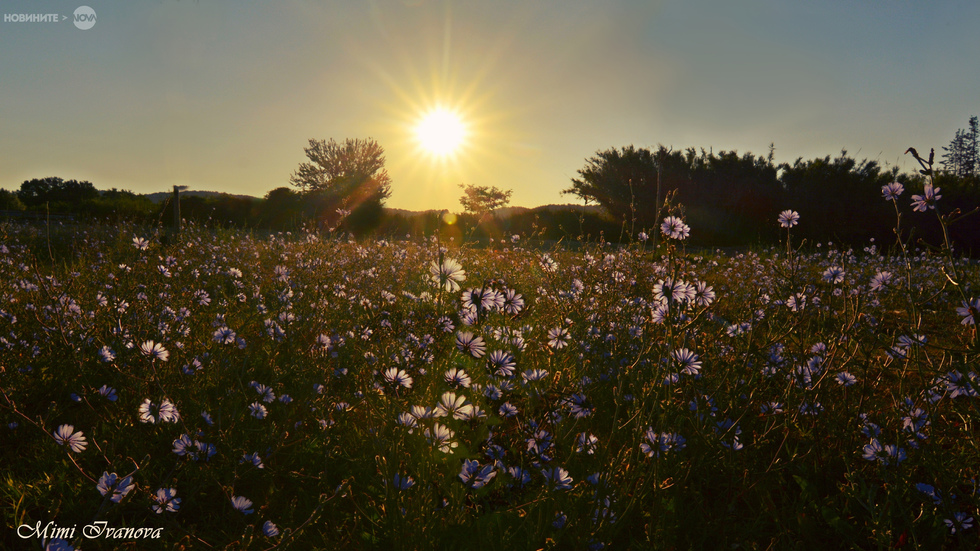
column 297, row 391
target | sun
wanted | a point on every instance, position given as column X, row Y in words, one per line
column 441, row 132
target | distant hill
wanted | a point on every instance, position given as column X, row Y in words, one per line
column 406, row 212
column 507, row 212
column 161, row 196
column 595, row 209
column 502, row 213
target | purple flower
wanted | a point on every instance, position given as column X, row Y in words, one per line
column 166, row 501
column 441, row 437
column 872, row 450
column 513, row 302
column 470, row 344
column 532, row 375
column 557, row 478
column 403, row 482
column 224, row 335
column 242, row 504
column 397, row 377
column 475, row 476
column 507, row 410
column 788, row 218
column 960, row 521
column 258, row 410
column 252, row 458
column 457, row 377
column 118, row 487
column 450, row 405
column 106, row 354
column 688, row 361
column 661, row 443
column 155, row 351
column 166, row 412
column 970, row 311
column 834, row 274
column 675, row 228
column 447, row 275
column 926, row 201
column 269, row 529
column 557, row 337
column 891, row 191
column 65, row 434
column 586, row 443
column 108, row 392
column 501, row 363
column 880, row 280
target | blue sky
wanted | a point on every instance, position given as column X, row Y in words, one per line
column 223, row 95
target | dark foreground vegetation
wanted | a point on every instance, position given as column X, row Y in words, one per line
column 227, row 389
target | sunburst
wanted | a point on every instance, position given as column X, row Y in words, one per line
column 441, row 132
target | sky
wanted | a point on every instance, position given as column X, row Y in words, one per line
column 224, row 95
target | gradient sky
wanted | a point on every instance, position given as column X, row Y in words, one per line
column 223, row 95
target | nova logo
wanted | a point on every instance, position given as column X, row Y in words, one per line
column 84, row 18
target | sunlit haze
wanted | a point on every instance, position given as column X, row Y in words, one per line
column 516, row 95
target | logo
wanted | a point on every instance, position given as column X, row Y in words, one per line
column 84, row 18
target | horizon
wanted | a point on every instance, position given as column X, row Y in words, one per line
column 224, row 100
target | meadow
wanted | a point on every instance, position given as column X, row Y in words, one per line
column 230, row 390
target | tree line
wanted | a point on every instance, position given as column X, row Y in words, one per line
column 733, row 200
column 727, row 198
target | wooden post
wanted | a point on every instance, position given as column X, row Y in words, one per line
column 176, row 211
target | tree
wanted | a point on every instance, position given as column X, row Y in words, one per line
column 39, row 191
column 282, row 209
column 972, row 142
column 621, row 180
column 962, row 157
column 844, row 191
column 482, row 200
column 344, row 179
column 10, row 201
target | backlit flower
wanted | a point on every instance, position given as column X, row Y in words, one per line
column 155, row 350
column 269, row 529
column 891, row 191
column 970, row 311
column 242, row 504
column 166, row 412
column 475, row 476
column 675, row 228
column 788, row 218
column 165, row 500
column 65, row 434
column 926, row 201
column 557, row 478
column 471, row 344
column 110, row 483
column 447, row 275
column 441, row 437
column 557, row 337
